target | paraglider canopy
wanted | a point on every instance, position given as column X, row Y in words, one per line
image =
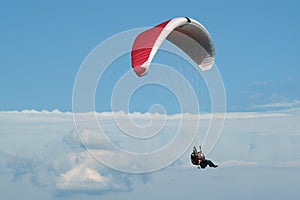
column 188, row 34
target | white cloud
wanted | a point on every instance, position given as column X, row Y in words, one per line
column 281, row 105
column 252, row 115
column 237, row 163
column 292, row 163
column 92, row 139
column 84, row 178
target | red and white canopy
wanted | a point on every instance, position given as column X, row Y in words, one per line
column 188, row 34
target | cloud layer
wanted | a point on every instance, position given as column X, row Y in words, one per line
column 44, row 148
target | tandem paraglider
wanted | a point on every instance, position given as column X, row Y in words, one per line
column 188, row 35
column 198, row 159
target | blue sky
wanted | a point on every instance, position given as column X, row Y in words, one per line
column 43, row 45
column 43, row 155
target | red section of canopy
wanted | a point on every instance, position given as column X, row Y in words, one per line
column 143, row 46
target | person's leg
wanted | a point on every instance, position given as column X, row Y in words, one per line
column 211, row 164
column 203, row 164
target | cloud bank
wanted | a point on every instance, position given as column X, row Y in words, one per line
column 44, row 148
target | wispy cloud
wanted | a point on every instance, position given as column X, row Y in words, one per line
column 282, row 105
column 238, row 163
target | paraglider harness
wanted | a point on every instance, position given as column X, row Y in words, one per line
column 196, row 157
